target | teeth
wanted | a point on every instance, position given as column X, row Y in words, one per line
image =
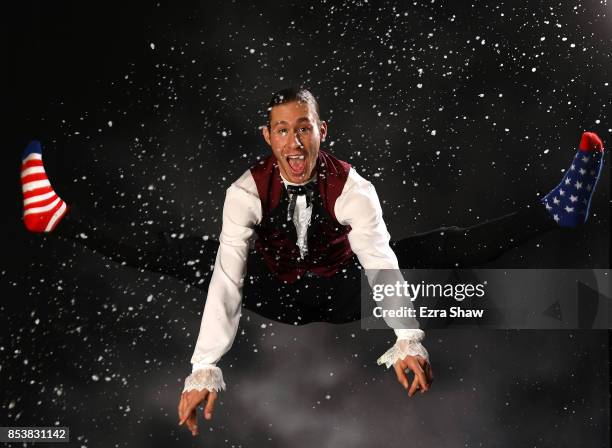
column 296, row 157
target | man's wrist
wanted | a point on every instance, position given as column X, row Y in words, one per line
column 415, row 335
column 210, row 378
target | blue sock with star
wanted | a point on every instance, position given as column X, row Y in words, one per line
column 568, row 204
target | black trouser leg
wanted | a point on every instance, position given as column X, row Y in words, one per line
column 188, row 259
column 454, row 247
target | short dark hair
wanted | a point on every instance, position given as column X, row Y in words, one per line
column 291, row 94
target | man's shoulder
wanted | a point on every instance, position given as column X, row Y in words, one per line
column 246, row 182
column 356, row 180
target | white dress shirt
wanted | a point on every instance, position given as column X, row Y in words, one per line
column 301, row 218
column 357, row 206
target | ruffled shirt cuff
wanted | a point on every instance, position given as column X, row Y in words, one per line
column 408, row 343
column 210, row 378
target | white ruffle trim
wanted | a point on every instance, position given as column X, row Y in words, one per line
column 209, row 378
column 401, row 349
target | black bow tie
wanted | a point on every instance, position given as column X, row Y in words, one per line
column 294, row 191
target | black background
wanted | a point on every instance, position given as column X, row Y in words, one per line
column 457, row 113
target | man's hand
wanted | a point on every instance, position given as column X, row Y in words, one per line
column 189, row 404
column 423, row 375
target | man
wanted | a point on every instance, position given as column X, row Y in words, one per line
column 311, row 213
column 317, row 224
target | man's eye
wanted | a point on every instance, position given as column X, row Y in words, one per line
column 282, row 131
column 304, row 130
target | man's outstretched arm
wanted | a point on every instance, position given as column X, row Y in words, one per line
column 241, row 211
column 359, row 207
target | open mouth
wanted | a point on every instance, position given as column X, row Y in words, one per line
column 297, row 164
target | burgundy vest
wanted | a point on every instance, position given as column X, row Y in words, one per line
column 328, row 245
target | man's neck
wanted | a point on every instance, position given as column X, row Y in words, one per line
column 286, row 182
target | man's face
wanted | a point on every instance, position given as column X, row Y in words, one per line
column 295, row 135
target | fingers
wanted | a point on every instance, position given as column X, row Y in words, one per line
column 414, row 386
column 419, row 375
column 181, row 408
column 429, row 373
column 187, row 408
column 401, row 375
column 192, row 422
column 423, row 374
column 210, row 404
column 427, row 369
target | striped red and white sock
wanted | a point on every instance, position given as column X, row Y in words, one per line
column 43, row 209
